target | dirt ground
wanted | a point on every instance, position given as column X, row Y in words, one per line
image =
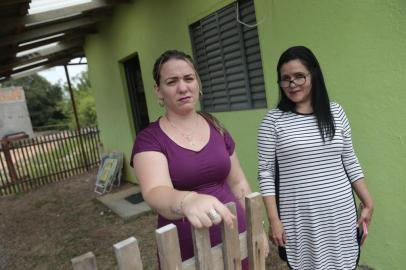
column 46, row 227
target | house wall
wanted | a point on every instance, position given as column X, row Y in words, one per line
column 360, row 46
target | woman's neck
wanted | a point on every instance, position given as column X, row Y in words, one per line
column 186, row 121
column 305, row 108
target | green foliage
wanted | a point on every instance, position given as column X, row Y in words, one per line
column 85, row 104
column 50, row 104
column 44, row 100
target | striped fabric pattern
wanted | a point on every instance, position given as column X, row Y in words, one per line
column 316, row 203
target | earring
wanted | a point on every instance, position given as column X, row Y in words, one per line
column 200, row 93
column 161, row 102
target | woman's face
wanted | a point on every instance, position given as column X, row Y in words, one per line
column 178, row 86
column 298, row 82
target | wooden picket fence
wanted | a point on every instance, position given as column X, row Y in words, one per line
column 225, row 256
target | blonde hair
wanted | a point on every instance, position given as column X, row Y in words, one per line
column 175, row 54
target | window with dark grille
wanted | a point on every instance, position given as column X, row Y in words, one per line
column 228, row 58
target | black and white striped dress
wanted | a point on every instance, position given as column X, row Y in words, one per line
column 316, row 203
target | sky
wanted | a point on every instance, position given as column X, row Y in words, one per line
column 56, row 74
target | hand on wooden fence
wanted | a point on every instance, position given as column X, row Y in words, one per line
column 205, row 210
column 228, row 255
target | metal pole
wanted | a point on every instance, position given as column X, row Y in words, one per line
column 82, row 148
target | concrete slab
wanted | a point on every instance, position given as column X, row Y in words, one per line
column 124, row 209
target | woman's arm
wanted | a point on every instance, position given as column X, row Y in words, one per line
column 361, row 189
column 354, row 171
column 151, row 169
column 237, row 181
column 276, row 230
column 239, row 187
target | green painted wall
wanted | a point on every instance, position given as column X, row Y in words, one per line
column 360, row 45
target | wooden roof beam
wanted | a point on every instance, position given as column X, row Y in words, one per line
column 41, row 54
column 37, row 69
column 66, row 37
column 13, row 2
column 59, row 14
column 50, row 30
column 54, row 61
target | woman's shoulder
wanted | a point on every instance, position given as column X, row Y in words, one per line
column 148, row 139
column 336, row 108
column 273, row 114
column 271, row 118
column 335, row 105
column 151, row 132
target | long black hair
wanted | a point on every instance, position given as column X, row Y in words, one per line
column 319, row 96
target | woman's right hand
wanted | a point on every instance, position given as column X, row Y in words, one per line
column 197, row 207
column 277, row 233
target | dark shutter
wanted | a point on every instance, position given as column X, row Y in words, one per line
column 228, row 58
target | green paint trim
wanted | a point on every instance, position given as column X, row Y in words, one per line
column 123, row 79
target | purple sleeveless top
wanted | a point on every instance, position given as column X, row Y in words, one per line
column 203, row 171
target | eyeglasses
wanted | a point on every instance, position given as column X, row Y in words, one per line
column 298, row 81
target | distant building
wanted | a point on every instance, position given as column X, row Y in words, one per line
column 14, row 116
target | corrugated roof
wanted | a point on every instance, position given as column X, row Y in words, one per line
column 38, row 34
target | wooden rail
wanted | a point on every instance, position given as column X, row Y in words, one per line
column 225, row 256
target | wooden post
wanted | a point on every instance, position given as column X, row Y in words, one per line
column 202, row 249
column 168, row 247
column 224, row 256
column 84, row 262
column 256, row 252
column 231, row 243
column 9, row 161
column 128, row 254
column 75, row 113
column 5, row 144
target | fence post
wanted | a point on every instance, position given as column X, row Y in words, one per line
column 86, row 261
column 168, row 247
column 82, row 148
column 225, row 256
column 256, row 252
column 128, row 254
column 231, row 243
column 5, row 144
column 202, row 248
column 9, row 161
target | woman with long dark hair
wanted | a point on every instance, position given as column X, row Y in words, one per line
column 308, row 169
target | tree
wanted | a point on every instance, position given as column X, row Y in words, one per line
column 44, row 100
column 85, row 104
column 50, row 104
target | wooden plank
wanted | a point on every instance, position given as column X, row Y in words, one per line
column 128, row 254
column 168, row 247
column 55, row 15
column 13, row 2
column 49, row 30
column 256, row 251
column 217, row 255
column 86, row 261
column 41, row 54
column 202, row 249
column 36, row 68
column 63, row 38
column 231, row 243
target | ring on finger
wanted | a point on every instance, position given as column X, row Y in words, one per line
column 213, row 215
